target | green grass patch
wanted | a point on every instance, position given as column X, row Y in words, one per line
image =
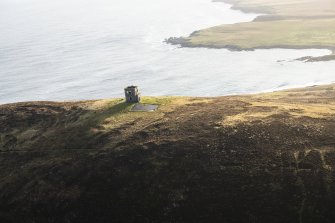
column 156, row 100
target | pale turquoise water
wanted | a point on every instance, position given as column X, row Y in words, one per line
column 85, row 49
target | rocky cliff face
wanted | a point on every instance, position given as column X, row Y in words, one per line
column 257, row 158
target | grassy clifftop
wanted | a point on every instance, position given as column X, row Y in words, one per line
column 301, row 24
column 254, row 158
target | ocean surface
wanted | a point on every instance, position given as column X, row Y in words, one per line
column 89, row 49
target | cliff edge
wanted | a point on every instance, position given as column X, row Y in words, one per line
column 254, row 158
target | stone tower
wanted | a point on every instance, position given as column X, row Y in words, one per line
column 132, row 94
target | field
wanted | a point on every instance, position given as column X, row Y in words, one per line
column 252, row 158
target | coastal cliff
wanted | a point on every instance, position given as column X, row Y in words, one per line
column 253, row 158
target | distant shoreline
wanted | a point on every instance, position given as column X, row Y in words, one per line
column 183, row 42
column 270, row 31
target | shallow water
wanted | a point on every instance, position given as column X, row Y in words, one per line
column 86, row 49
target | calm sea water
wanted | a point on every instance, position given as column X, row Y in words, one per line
column 85, row 49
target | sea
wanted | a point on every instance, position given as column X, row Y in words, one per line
column 68, row 50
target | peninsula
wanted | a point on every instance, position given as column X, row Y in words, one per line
column 301, row 24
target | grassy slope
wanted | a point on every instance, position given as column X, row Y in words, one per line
column 266, row 34
column 288, row 24
column 259, row 158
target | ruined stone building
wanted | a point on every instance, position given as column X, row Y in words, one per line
column 132, row 94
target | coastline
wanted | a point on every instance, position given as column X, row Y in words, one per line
column 260, row 156
column 148, row 99
column 183, row 42
column 235, row 6
column 273, row 30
